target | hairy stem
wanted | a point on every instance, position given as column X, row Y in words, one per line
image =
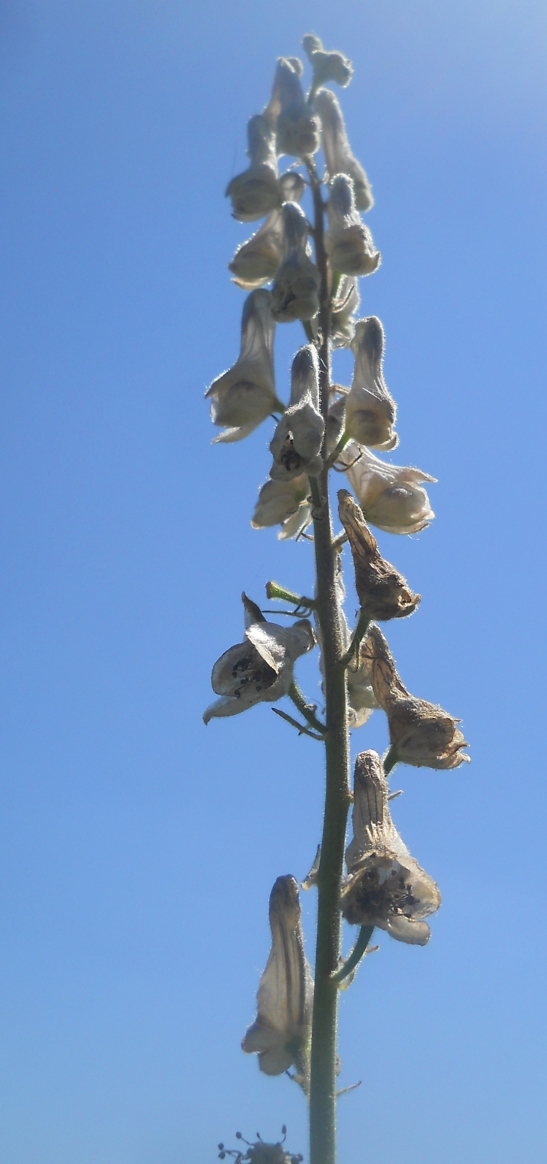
column 337, row 795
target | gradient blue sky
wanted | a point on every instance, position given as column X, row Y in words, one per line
column 138, row 848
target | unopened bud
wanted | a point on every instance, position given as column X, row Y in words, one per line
column 296, row 126
column 333, row 66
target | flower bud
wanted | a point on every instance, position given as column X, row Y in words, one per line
column 337, row 150
column 245, row 395
column 282, row 1026
column 296, row 444
column 284, row 503
column 256, row 191
column 297, row 127
column 383, row 593
column 370, row 410
column 422, row 733
column 386, row 887
column 296, row 284
column 257, row 260
column 348, row 241
column 333, row 66
column 391, row 497
column 343, row 312
column 259, row 670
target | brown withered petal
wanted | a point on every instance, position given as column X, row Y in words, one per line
column 383, row 593
column 423, row 734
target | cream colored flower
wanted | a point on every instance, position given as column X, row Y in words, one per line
column 383, row 593
column 296, row 284
column 391, row 497
column 243, row 397
column 422, row 733
column 259, row 670
column 343, row 312
column 284, row 503
column 296, row 125
column 257, row 260
column 386, row 887
column 281, row 1030
column 337, row 150
column 257, row 191
column 333, row 66
column 348, row 241
column 296, row 444
column 370, row 410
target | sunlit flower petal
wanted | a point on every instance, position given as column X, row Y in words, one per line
column 243, row 397
column 296, row 284
column 296, row 125
column 370, row 410
column 296, row 444
column 257, row 260
column 282, row 1026
column 348, row 241
column 257, row 191
column 337, row 150
column 391, row 497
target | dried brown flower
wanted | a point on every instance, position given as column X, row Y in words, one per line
column 383, row 593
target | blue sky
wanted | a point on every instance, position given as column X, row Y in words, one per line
column 138, row 848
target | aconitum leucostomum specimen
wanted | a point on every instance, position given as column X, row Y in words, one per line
column 302, row 265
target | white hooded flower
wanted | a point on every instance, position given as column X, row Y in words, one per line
column 333, row 66
column 256, row 191
column 370, row 410
column 243, row 397
column 337, row 150
column 391, row 497
column 386, row 887
column 296, row 125
column 257, row 260
column 348, row 241
column 284, row 503
column 281, row 1030
column 296, row 444
column 296, row 284
column 261, row 668
column 343, row 312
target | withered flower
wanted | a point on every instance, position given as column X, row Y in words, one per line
column 391, row 497
column 296, row 284
column 386, row 887
column 337, row 150
column 245, row 395
column 296, row 444
column 259, row 670
column 256, row 191
column 348, row 241
column 370, row 410
column 297, row 127
column 282, row 1026
column 422, row 733
column 383, row 593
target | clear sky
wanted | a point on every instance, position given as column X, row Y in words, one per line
column 138, row 848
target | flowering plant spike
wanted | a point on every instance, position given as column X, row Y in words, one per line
column 302, row 265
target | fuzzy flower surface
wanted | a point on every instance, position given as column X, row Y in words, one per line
column 282, row 1026
column 343, row 312
column 245, row 395
column 257, row 260
column 327, row 66
column 296, row 126
column 337, row 150
column 348, row 241
column 256, row 191
column 296, row 284
column 260, row 669
column 383, row 593
column 296, row 444
column 385, row 886
column 370, row 409
column 422, row 733
column 391, row 497
column 284, row 503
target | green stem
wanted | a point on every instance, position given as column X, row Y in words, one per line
column 274, row 590
column 359, row 949
column 337, row 795
column 358, row 636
